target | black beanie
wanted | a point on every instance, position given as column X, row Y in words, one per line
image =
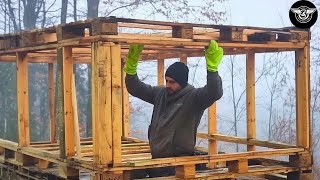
column 179, row 72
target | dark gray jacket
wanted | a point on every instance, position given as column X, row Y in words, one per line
column 175, row 117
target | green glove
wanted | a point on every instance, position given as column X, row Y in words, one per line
column 213, row 55
column 133, row 58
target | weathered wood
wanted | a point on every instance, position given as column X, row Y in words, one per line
column 75, row 117
column 24, row 160
column 104, row 176
column 116, row 102
column 160, row 72
column 185, row 171
column 59, row 103
column 182, row 32
column 23, row 100
column 66, row 32
column 270, row 36
column 68, row 172
column 231, row 34
column 125, row 107
column 27, row 39
column 240, row 140
column 238, row 166
column 275, row 177
column 217, row 157
column 302, row 63
column 67, row 71
column 300, row 160
column 98, row 27
column 250, row 97
column 101, row 103
column 212, row 129
column 53, row 138
column 298, row 175
column 43, row 164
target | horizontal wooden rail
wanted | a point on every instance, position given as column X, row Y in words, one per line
column 240, row 140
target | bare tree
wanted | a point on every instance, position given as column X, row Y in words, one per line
column 93, row 8
column 238, row 104
column 64, row 8
column 275, row 82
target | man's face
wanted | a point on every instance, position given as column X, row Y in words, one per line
column 172, row 86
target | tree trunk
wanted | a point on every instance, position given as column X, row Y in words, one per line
column 31, row 13
column 75, row 10
column 64, row 8
column 12, row 17
column 234, row 103
column 44, row 19
column 93, row 7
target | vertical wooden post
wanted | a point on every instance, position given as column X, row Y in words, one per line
column 302, row 59
column 238, row 166
column 185, row 171
column 212, row 129
column 160, row 72
column 116, row 102
column 67, row 123
column 184, row 60
column 125, row 107
column 251, row 105
column 75, row 117
column 53, row 137
column 23, row 100
column 101, row 103
column 67, row 72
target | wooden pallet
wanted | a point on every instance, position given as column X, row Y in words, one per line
column 43, row 158
column 166, row 39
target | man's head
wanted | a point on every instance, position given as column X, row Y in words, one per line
column 176, row 77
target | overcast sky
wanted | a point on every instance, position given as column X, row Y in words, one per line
column 270, row 13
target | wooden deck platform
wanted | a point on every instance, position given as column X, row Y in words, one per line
column 43, row 158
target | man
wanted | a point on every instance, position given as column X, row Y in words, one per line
column 178, row 107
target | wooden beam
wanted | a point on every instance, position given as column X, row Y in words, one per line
column 68, row 172
column 173, row 161
column 160, row 72
column 185, row 171
column 43, row 164
column 250, row 94
column 101, row 103
column 75, row 117
column 240, row 140
column 53, row 137
column 125, row 107
column 59, row 109
column 67, row 71
column 24, row 160
column 116, row 102
column 23, row 100
column 238, row 166
column 212, row 129
column 302, row 59
column 187, row 42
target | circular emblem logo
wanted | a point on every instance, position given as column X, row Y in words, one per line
column 303, row 14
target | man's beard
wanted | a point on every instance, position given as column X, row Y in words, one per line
column 169, row 91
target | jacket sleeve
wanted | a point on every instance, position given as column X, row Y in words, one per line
column 207, row 95
column 141, row 90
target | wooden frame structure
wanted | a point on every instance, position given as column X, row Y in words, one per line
column 111, row 153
